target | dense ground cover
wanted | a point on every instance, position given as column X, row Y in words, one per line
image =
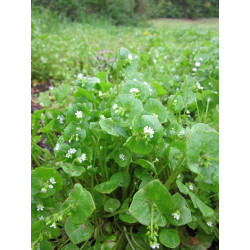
column 125, row 147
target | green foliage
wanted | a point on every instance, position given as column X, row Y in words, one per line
column 128, row 157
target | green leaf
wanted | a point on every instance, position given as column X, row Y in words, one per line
column 70, row 246
column 111, row 205
column 159, row 89
column 138, row 145
column 157, row 192
column 71, row 169
column 69, row 131
column 36, row 229
column 126, row 216
column 157, row 109
column 87, row 94
column 146, row 164
column 122, row 157
column 205, row 210
column 36, row 182
column 140, row 209
column 108, row 186
column 79, row 233
column 48, row 127
column 143, row 93
column 183, row 189
column 123, row 178
column 182, row 209
column 131, row 107
column 83, row 204
column 169, row 238
column 111, row 127
column 45, row 174
column 45, row 245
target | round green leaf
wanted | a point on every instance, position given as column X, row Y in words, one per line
column 138, row 145
column 138, row 89
column 79, row 233
column 70, row 246
column 83, row 204
column 129, row 106
column 111, row 205
column 122, row 157
column 169, row 238
column 156, row 108
column 108, row 186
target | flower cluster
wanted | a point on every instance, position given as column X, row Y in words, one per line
column 176, row 215
column 134, row 90
column 149, row 131
column 71, row 151
column 198, row 85
column 82, row 158
column 60, row 118
column 48, row 184
column 122, row 157
column 78, row 114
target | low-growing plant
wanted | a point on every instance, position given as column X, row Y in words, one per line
column 119, row 163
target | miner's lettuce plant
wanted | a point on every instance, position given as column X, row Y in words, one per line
column 125, row 164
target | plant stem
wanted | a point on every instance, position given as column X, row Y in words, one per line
column 197, row 109
column 173, row 176
column 127, row 237
column 206, row 110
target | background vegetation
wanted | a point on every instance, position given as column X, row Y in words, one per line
column 132, row 11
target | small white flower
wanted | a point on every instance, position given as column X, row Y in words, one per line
column 50, row 186
column 102, row 116
column 44, row 190
column 78, row 114
column 201, row 59
column 210, row 223
column 80, row 76
column 116, row 111
column 178, row 176
column 149, row 131
column 57, row 147
column 194, row 69
column 197, row 64
column 41, row 218
column 82, row 158
column 52, row 180
column 40, row 207
column 176, row 216
column 191, row 187
column 60, row 118
column 72, row 150
column 156, row 159
column 198, row 85
column 188, row 112
column 130, row 127
column 122, row 157
column 134, row 90
column 156, row 245
column 130, row 57
column 53, row 225
column 175, row 100
column 90, row 166
column 145, row 83
column 115, row 106
column 154, row 60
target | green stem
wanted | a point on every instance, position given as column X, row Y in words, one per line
column 115, row 213
column 127, row 237
column 206, row 110
column 36, row 161
column 174, row 175
column 197, row 109
column 42, row 150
